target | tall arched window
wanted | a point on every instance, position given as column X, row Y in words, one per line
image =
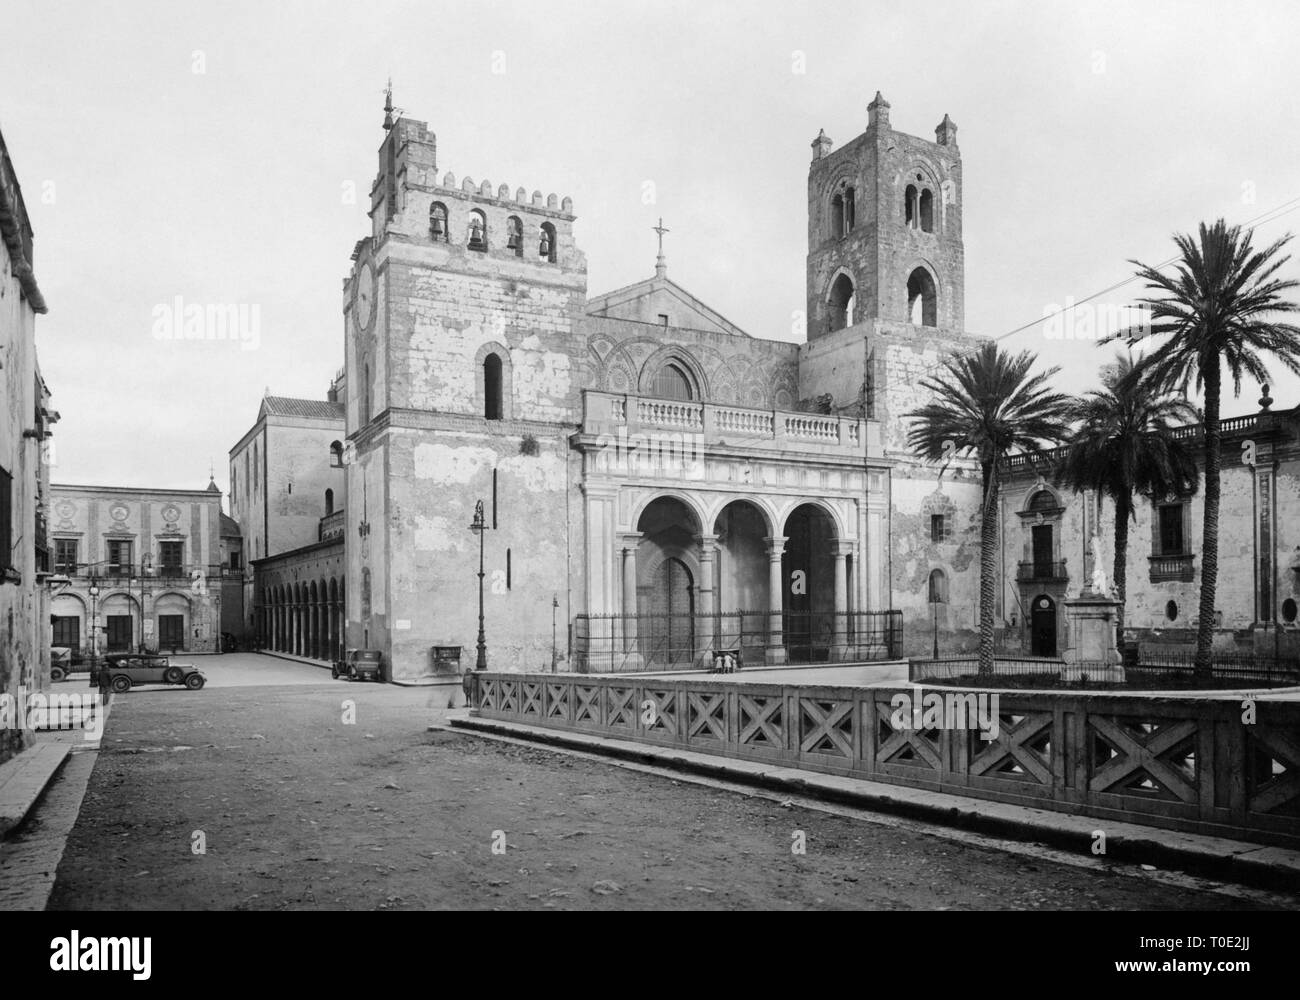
column 909, row 206
column 922, row 299
column 478, row 231
column 336, row 454
column 837, row 215
column 938, row 587
column 329, row 502
column 365, row 395
column 546, row 243
column 515, row 237
column 841, row 303
column 850, row 210
column 672, row 382
column 492, row 387
column 927, row 211
column 438, row 222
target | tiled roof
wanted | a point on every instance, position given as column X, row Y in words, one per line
column 287, row 406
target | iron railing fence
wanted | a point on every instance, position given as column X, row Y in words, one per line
column 650, row 642
column 1159, row 670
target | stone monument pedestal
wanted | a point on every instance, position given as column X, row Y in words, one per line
column 1090, row 621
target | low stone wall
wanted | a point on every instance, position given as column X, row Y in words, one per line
column 1183, row 763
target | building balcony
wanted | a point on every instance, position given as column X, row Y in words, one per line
column 1166, row 568
column 1042, row 572
column 616, row 417
column 113, row 574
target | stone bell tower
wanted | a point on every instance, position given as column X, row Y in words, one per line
column 884, row 229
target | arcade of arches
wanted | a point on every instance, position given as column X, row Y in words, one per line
column 682, row 584
column 304, row 618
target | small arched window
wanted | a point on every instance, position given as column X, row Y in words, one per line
column 927, row 211
column 1171, row 610
column 672, row 382
column 438, row 222
column 938, row 587
column 546, row 243
column 1289, row 610
column 329, row 502
column 478, row 231
column 515, row 235
column 837, row 216
column 336, row 454
column 841, row 303
column 492, row 387
column 909, row 206
column 922, row 300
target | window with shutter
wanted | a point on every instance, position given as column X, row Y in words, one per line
column 6, row 520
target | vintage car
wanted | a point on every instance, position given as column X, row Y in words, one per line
column 60, row 662
column 120, row 671
column 360, row 664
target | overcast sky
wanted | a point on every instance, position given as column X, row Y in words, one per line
column 1088, row 132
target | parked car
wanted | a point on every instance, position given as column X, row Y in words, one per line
column 60, row 662
column 360, row 664
column 123, row 670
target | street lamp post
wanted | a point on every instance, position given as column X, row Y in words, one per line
column 555, row 607
column 480, row 525
column 146, row 567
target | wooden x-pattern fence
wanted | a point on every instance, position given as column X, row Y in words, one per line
column 1185, row 763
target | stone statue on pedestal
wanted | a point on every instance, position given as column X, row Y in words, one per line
column 1100, row 586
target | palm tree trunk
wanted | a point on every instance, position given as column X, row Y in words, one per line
column 1123, row 510
column 1210, row 530
column 988, row 566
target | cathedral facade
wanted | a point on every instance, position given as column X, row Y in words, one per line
column 656, row 483
column 632, row 481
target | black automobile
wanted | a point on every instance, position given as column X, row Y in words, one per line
column 121, row 671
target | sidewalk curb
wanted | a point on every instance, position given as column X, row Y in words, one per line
column 1227, row 860
column 23, row 780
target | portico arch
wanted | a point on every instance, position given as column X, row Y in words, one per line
column 814, row 583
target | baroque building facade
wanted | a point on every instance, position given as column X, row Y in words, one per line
column 138, row 569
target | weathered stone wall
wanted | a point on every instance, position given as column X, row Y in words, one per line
column 24, row 621
column 299, row 471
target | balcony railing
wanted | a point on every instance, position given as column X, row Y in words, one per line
column 1177, row 567
column 608, row 413
column 1039, row 571
column 158, row 572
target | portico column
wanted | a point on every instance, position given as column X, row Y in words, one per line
column 775, row 598
column 629, row 544
column 840, row 641
column 706, row 631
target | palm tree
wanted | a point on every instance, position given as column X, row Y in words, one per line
column 1124, row 444
column 987, row 404
column 1214, row 310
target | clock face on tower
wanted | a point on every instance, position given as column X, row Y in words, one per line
column 364, row 305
